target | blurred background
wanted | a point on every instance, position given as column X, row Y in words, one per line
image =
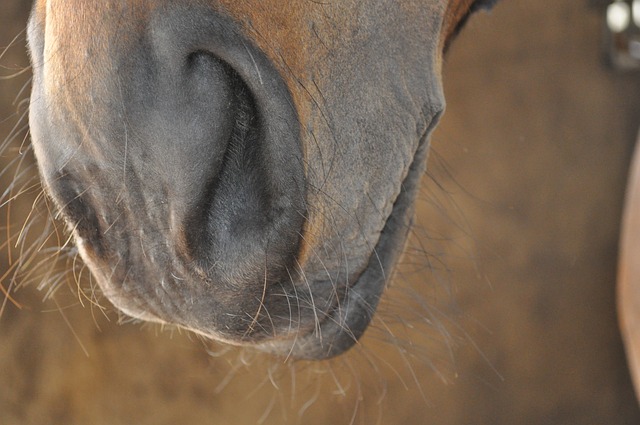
column 503, row 311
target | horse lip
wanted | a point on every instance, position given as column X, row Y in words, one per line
column 347, row 321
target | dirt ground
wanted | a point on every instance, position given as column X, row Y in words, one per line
column 503, row 310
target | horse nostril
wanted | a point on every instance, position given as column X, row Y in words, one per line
column 76, row 206
column 240, row 201
column 243, row 223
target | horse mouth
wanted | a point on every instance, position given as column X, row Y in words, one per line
column 342, row 325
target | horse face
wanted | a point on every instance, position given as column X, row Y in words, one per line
column 243, row 169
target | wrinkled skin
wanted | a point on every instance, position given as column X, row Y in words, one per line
column 242, row 169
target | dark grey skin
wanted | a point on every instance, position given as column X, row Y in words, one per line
column 254, row 188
